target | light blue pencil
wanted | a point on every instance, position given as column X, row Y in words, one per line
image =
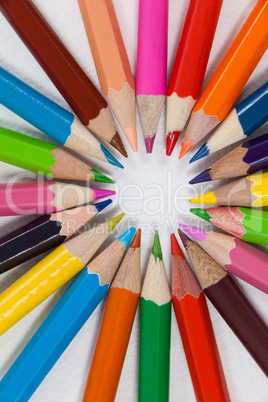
column 63, row 323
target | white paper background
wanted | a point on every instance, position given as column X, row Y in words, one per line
column 144, row 177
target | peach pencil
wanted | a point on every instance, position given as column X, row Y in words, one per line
column 111, row 62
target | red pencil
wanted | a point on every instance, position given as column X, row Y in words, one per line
column 190, row 65
column 196, row 331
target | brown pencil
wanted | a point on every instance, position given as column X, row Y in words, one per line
column 63, row 70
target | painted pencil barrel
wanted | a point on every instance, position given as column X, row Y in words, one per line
column 154, row 351
column 253, row 111
column 152, row 48
column 52, row 338
column 249, row 264
column 200, row 348
column 36, row 285
column 35, row 108
column 239, row 314
column 111, row 347
column 27, row 198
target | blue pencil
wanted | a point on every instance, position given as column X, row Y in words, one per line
column 63, row 323
column 50, row 118
column 242, row 121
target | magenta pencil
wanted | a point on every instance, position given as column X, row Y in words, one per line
column 151, row 84
column 234, row 255
column 36, row 198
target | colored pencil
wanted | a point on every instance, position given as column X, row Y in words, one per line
column 151, row 82
column 196, row 331
column 230, row 301
column 63, row 70
column 43, row 234
column 111, row 61
column 190, row 65
column 230, row 77
column 115, row 329
column 50, row 118
column 155, row 320
column 250, row 225
column 34, row 198
column 234, row 255
column 247, row 158
column 51, row 273
column 63, row 323
column 243, row 120
column 251, row 191
column 44, row 158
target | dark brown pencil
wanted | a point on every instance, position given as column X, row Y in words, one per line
column 230, row 301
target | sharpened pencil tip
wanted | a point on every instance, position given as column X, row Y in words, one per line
column 202, row 177
column 197, row 234
column 207, row 198
column 110, row 158
column 131, row 135
column 184, row 238
column 112, row 223
column 103, row 204
column 100, row 177
column 201, row 153
column 136, row 242
column 184, row 149
column 171, row 141
column 201, row 213
column 149, row 144
column 156, row 250
column 101, row 193
column 127, row 236
column 175, row 248
column 117, row 143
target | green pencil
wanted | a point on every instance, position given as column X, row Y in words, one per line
column 155, row 319
column 44, row 158
column 248, row 224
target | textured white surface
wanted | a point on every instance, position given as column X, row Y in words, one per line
column 158, row 191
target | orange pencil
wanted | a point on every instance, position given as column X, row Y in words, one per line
column 111, row 61
column 230, row 77
column 196, row 331
column 115, row 330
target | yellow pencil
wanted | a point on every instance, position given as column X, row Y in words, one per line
column 251, row 191
column 51, row 273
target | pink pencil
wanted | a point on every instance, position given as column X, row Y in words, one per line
column 151, row 83
column 36, row 198
column 234, row 255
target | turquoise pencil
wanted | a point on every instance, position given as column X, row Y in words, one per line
column 63, row 323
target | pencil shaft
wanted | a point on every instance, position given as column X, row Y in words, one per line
column 111, row 346
column 200, row 348
column 56, row 60
column 191, row 61
column 151, row 65
column 154, row 351
column 233, row 306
